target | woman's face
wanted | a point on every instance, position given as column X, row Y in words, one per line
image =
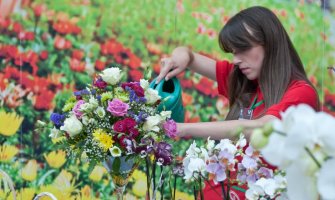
column 250, row 61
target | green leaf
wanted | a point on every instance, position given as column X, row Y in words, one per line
column 116, row 164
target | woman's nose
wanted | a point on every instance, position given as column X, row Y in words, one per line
column 236, row 60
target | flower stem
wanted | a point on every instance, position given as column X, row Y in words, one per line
column 280, row 132
column 313, row 157
column 223, row 190
column 228, row 185
column 148, row 176
column 200, row 188
column 174, row 187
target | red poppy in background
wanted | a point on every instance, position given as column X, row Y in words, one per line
column 99, row 65
column 205, row 86
column 77, row 54
column 61, row 43
column 76, row 65
column 135, row 75
column 44, row 55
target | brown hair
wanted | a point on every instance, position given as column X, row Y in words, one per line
column 281, row 64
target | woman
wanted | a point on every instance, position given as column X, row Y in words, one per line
column 266, row 75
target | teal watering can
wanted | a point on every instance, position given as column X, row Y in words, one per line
column 174, row 103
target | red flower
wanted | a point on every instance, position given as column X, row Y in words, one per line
column 134, row 86
column 38, row 10
column 120, row 126
column 77, row 66
column 61, row 43
column 100, row 65
column 130, row 123
column 205, row 86
column 43, row 101
column 133, row 132
column 4, row 23
column 135, row 75
column 17, row 27
column 134, row 61
column 44, row 55
column 29, row 36
column 77, row 54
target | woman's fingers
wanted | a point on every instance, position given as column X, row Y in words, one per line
column 166, row 66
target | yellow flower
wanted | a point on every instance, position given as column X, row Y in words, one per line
column 57, row 192
column 55, row 140
column 183, row 196
column 7, row 152
column 105, row 140
column 56, row 159
column 63, row 182
column 25, row 193
column 29, row 172
column 139, row 175
column 140, row 188
column 97, row 173
column 86, row 194
column 10, row 123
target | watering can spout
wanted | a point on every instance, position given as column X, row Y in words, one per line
column 170, row 91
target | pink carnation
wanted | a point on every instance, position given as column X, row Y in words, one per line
column 170, row 128
column 117, row 107
column 76, row 108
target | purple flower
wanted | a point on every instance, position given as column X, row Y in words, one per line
column 264, row 172
column 226, row 158
column 170, row 128
column 178, row 169
column 76, row 108
column 57, row 119
column 163, row 153
column 249, row 163
column 117, row 107
column 217, row 170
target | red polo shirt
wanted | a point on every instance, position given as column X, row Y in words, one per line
column 297, row 92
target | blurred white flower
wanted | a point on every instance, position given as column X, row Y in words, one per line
column 115, row 151
column 326, row 180
column 55, row 133
column 165, row 114
column 193, row 167
column 193, row 150
column 111, row 75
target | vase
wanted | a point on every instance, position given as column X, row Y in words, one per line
column 120, row 169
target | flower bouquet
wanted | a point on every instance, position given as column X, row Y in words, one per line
column 114, row 123
column 233, row 165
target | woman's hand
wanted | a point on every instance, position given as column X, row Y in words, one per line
column 181, row 57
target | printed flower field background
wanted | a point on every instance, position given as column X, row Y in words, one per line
column 50, row 48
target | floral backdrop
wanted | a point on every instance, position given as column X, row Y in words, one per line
column 50, row 48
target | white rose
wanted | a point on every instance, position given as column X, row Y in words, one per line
column 152, row 96
column 72, row 126
column 144, row 84
column 151, row 123
column 111, row 75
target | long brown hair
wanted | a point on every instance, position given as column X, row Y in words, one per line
column 281, row 64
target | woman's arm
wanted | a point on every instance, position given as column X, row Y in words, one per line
column 222, row 129
column 183, row 57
